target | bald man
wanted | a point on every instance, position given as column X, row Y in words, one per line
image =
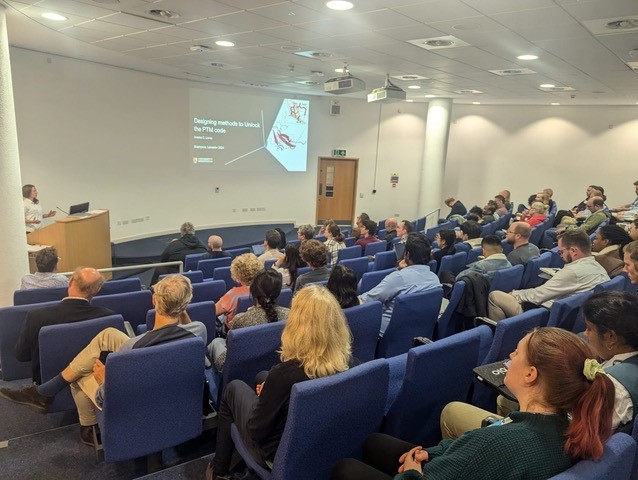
column 215, row 243
column 391, row 231
column 84, row 284
column 517, row 236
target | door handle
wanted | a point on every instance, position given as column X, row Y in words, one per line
column 320, row 189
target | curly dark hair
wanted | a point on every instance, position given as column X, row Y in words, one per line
column 314, row 253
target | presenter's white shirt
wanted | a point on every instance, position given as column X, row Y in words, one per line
column 32, row 211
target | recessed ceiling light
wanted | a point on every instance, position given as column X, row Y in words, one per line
column 224, row 43
column 555, row 103
column 414, row 87
column 409, row 100
column 54, row 16
column 339, row 5
column 476, row 103
column 547, row 85
column 430, row 96
column 340, row 70
column 527, row 57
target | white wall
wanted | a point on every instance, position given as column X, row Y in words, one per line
column 119, row 138
column 526, row 149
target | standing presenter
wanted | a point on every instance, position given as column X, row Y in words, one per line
column 32, row 209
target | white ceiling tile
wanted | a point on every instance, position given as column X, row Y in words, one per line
column 290, row 13
column 133, row 21
column 106, row 27
column 121, row 43
column 213, row 27
column 593, row 10
column 439, row 11
column 75, row 8
column 411, row 33
column 187, row 9
column 490, row 7
column 384, row 19
column 334, row 27
column 249, row 21
column 294, row 34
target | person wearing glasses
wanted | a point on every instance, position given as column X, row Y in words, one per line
column 517, row 236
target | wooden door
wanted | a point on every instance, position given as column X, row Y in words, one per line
column 336, row 189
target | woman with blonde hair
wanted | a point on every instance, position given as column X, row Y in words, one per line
column 535, row 215
column 316, row 342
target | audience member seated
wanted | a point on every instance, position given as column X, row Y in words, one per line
column 612, row 330
column 271, row 243
column 315, row 254
column 405, row 228
column 470, row 233
column 629, row 210
column 501, row 209
column 630, row 257
column 475, row 214
column 178, row 248
column 282, row 238
column 489, row 212
column 265, row 288
column 633, row 230
column 457, row 207
column 368, row 230
column 494, row 259
column 305, row 232
column 518, row 235
column 535, row 215
column 391, row 231
column 215, row 244
column 85, row 374
column 415, row 277
column 550, row 193
column 326, row 224
column 445, row 240
column 289, row 264
column 242, row 270
column 581, row 273
column 343, row 285
column 506, row 195
column 589, row 226
column 334, row 242
column 579, row 207
column 565, row 416
column 83, row 286
column 607, row 248
column 46, row 276
column 315, row 343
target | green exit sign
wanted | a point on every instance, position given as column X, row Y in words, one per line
column 338, row 153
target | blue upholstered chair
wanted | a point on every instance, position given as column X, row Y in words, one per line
column 564, row 312
column 195, row 276
column 435, row 374
column 533, row 269
column 462, row 247
column 152, row 399
column 364, row 322
column 455, row 263
column 451, row 322
column 615, row 464
column 285, row 298
column 59, row 344
column 11, row 323
column 358, row 265
column 616, row 283
column 419, row 224
column 473, row 254
column 413, row 315
column 507, row 279
column 326, row 421
column 40, row 295
column 211, row 290
column 376, row 247
column 384, row 260
column 370, row 280
column 132, row 305
column 349, row 241
column 198, row 312
column 269, row 263
column 223, row 273
column 235, row 252
column 244, row 303
column 433, row 265
column 190, row 261
column 207, row 267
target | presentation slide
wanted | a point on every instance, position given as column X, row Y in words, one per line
column 238, row 132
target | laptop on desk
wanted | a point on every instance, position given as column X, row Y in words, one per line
column 493, row 375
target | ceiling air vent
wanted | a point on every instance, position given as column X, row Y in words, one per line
column 633, row 65
column 558, row 89
column 409, row 78
column 623, row 24
column 513, row 71
column 163, row 13
column 436, row 43
column 612, row 26
column 319, row 55
column 200, row 48
column 468, row 92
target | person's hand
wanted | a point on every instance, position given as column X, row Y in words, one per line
column 99, row 372
column 51, row 213
column 33, row 221
column 560, row 230
column 259, row 388
column 279, row 261
column 412, row 460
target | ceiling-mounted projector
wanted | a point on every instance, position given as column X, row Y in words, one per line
column 345, row 84
column 387, row 94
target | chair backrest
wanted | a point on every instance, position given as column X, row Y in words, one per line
column 358, row 265
column 349, row 241
column 327, row 420
column 269, row 263
column 506, row 337
column 381, row 232
column 376, row 247
column 235, row 252
column 462, row 247
column 251, row 350
column 434, row 266
column 207, row 267
column 11, row 323
column 455, row 263
column 132, row 305
column 564, row 312
column 435, row 374
column 285, row 298
column 507, row 247
column 419, row 224
column 40, row 295
column 451, row 322
column 223, row 273
column 198, row 312
column 615, row 464
column 210, row 290
column 59, row 344
column 533, row 269
column 616, row 283
column 384, row 260
column 536, row 235
column 364, row 322
column 190, row 261
column 195, row 276
column 369, row 280
column 557, row 260
column 244, row 303
column 152, row 398
column 487, row 229
column 473, row 254
column 507, row 279
column 413, row 315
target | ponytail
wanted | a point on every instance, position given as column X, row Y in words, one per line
column 335, row 231
column 270, row 309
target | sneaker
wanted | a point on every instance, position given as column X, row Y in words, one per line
column 86, row 435
column 28, row 396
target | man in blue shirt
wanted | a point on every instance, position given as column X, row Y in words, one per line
column 414, row 277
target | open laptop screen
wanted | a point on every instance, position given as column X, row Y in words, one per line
column 79, row 208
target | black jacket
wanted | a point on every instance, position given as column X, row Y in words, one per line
column 185, row 245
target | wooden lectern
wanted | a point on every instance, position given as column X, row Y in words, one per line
column 82, row 240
